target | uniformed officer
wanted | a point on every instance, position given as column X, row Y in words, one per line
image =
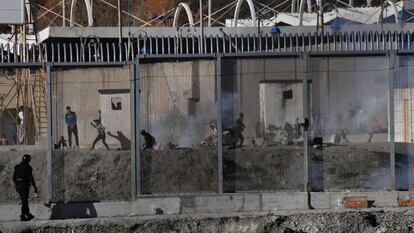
column 23, row 178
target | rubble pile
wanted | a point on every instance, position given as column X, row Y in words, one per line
column 375, row 221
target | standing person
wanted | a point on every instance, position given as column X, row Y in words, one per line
column 23, row 178
column 71, row 121
column 149, row 140
column 101, row 134
column 238, row 129
column 20, row 122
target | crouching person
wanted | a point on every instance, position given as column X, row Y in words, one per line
column 149, row 140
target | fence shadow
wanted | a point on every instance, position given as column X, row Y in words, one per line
column 73, row 210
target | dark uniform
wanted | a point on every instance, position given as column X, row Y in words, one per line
column 23, row 178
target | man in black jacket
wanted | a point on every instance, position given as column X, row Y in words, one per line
column 23, row 178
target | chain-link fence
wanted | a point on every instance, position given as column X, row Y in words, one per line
column 91, row 134
column 21, row 103
column 257, row 124
column 349, row 115
column 403, row 121
column 261, row 105
column 178, row 124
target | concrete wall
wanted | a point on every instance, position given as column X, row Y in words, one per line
column 240, row 204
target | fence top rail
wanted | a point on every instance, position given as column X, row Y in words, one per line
column 191, row 47
column 69, row 33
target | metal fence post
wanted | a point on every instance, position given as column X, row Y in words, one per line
column 305, row 60
column 135, row 139
column 392, row 76
column 218, row 74
column 49, row 132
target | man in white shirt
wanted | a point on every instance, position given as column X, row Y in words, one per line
column 21, row 124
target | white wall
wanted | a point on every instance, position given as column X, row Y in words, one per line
column 404, row 126
column 116, row 120
column 277, row 111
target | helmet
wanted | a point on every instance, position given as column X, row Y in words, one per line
column 26, row 158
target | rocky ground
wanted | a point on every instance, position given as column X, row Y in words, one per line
column 100, row 175
column 359, row 221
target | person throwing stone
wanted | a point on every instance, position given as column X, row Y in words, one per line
column 101, row 133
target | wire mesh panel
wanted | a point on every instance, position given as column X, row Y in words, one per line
column 20, row 129
column 8, row 160
column 349, row 123
column 262, row 104
column 91, row 134
column 179, row 127
column 403, row 126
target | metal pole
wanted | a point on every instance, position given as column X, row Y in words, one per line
column 305, row 59
column 219, row 124
column 293, row 7
column 93, row 19
column 119, row 21
column 392, row 76
column 49, row 133
column 64, row 13
column 129, row 14
column 135, row 139
column 309, row 6
column 201, row 27
column 209, row 13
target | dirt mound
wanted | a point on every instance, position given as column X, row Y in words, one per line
column 8, row 159
column 321, row 222
column 100, row 175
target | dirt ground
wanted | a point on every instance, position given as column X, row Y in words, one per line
column 342, row 221
column 100, row 175
column 8, row 159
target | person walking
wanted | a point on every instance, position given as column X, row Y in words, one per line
column 23, row 178
column 71, row 122
column 101, row 134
